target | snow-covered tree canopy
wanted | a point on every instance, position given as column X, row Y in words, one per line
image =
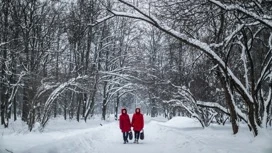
column 237, row 28
column 206, row 59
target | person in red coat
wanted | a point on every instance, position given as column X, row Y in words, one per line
column 137, row 124
column 124, row 123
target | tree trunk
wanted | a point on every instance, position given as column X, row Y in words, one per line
column 117, row 106
column 71, row 108
column 251, row 119
column 84, row 104
column 57, row 76
column 104, row 103
column 3, row 85
column 55, row 108
column 65, row 108
column 233, row 114
column 79, row 99
column 25, row 109
column 153, row 108
column 26, row 100
column 228, row 95
column 14, row 109
column 104, row 109
column 92, row 104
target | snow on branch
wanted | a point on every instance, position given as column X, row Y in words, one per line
column 52, row 97
column 267, row 102
column 231, row 7
column 126, row 86
column 124, row 76
column 270, row 41
column 190, row 41
column 266, row 65
column 190, row 110
column 5, row 43
column 229, row 38
column 130, row 15
column 141, row 12
column 221, row 108
column 101, row 20
column 184, row 98
column 15, row 87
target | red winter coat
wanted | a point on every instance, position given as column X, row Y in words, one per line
column 124, row 121
column 137, row 120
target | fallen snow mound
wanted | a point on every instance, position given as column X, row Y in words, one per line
column 183, row 122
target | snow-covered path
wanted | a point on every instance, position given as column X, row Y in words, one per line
column 174, row 136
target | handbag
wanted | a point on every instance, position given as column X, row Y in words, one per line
column 142, row 135
column 130, row 136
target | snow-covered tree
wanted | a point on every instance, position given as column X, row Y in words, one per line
column 219, row 50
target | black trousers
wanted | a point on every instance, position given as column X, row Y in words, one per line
column 136, row 135
column 125, row 136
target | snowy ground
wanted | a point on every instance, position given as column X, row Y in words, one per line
column 179, row 135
